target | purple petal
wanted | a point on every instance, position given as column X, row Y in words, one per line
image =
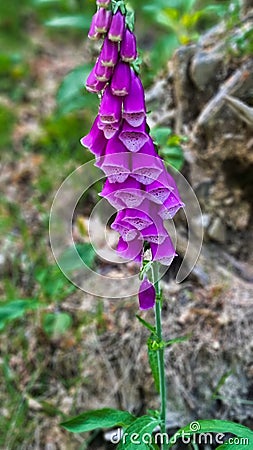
column 95, row 141
column 137, row 218
column 155, row 233
column 93, row 84
column 130, row 250
column 133, row 137
column 146, row 164
column 147, row 295
column 102, row 20
column 171, row 206
column 92, row 34
column 117, row 27
column 121, row 79
column 109, row 53
column 102, row 73
column 134, row 102
column 129, row 193
column 116, row 162
column 108, row 193
column 161, row 188
column 109, row 129
column 164, row 252
column 110, row 107
column 127, row 232
column 128, row 50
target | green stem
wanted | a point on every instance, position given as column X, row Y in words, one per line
column 162, row 381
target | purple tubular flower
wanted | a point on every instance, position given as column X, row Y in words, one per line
column 103, row 3
column 134, row 102
column 170, row 206
column 133, row 137
column 131, row 250
column 137, row 218
column 102, row 20
column 161, row 188
column 110, row 107
column 155, row 233
column 109, row 53
column 116, row 162
column 146, row 164
column 102, row 73
column 93, row 84
column 127, row 232
column 117, row 27
column 147, row 295
column 93, row 34
column 128, row 50
column 95, row 141
column 164, row 252
column 109, row 129
column 121, row 79
column 122, row 194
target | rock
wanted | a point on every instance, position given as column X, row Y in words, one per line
column 205, row 67
column 217, row 231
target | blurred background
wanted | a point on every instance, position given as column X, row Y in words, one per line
column 62, row 351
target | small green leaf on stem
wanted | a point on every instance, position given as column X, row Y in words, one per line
column 99, row 418
column 146, row 324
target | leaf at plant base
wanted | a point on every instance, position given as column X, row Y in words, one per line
column 214, row 426
column 56, row 324
column 153, row 362
column 72, row 95
column 161, row 135
column 146, row 324
column 15, row 309
column 99, row 418
column 142, row 425
column 78, row 21
column 76, row 256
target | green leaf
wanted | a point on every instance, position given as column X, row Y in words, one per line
column 72, row 95
column 56, row 324
column 100, row 418
column 138, row 428
column 78, row 21
column 176, row 340
column 173, row 156
column 76, row 256
column 214, row 426
column 153, row 362
column 15, row 309
column 146, row 324
column 161, row 135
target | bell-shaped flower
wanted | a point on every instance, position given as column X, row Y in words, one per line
column 110, row 107
column 155, row 233
column 133, row 137
column 102, row 73
column 134, row 109
column 146, row 164
column 164, row 252
column 117, row 27
column 123, row 194
column 160, row 189
column 131, row 250
column 109, row 129
column 93, row 84
column 102, row 20
column 95, row 141
column 127, row 232
column 116, row 162
column 103, row 3
column 147, row 294
column 93, row 34
column 109, row 53
column 138, row 218
column 170, row 206
column 128, row 50
column 121, row 79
